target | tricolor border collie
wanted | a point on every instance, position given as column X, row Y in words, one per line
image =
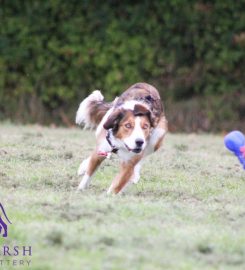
column 132, row 126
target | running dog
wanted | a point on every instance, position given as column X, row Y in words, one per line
column 132, row 126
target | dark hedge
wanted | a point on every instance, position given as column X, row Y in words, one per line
column 53, row 53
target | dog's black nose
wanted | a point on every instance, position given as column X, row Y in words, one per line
column 139, row 142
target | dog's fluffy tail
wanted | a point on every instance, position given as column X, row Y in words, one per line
column 92, row 109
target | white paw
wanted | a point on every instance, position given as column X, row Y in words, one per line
column 135, row 179
column 84, row 183
column 109, row 191
column 136, row 176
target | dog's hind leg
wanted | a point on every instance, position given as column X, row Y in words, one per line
column 88, row 167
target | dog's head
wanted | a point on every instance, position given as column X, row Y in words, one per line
column 131, row 128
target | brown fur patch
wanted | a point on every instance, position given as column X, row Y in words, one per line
column 94, row 162
column 114, row 119
column 146, row 126
column 123, row 131
column 140, row 110
column 97, row 110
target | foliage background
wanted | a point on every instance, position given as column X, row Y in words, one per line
column 53, row 53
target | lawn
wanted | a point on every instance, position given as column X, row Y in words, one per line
column 187, row 211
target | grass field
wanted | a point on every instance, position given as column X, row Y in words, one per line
column 187, row 211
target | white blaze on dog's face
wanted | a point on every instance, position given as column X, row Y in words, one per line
column 130, row 128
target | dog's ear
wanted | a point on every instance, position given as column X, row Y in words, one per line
column 114, row 119
column 140, row 110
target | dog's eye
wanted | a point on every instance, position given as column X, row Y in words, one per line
column 145, row 126
column 128, row 125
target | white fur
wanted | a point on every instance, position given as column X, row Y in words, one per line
column 85, row 182
column 110, row 189
column 136, row 176
column 82, row 171
column 105, row 147
column 156, row 134
column 130, row 104
column 136, row 134
column 125, row 155
column 122, row 152
column 82, row 116
column 83, row 167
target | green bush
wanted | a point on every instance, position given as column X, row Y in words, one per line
column 53, row 53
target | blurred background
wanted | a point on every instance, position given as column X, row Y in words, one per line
column 54, row 53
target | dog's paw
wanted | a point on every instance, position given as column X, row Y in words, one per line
column 135, row 177
column 84, row 183
column 110, row 190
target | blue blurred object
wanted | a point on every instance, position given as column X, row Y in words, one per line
column 235, row 142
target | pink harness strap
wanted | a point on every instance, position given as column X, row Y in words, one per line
column 102, row 154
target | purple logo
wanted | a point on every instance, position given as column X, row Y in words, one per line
column 3, row 224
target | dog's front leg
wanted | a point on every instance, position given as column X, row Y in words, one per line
column 125, row 176
column 136, row 176
column 122, row 178
column 89, row 166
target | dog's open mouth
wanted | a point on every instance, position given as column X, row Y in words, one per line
column 135, row 150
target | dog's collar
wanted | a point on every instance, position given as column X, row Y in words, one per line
column 114, row 148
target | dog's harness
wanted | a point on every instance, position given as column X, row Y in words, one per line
column 114, row 149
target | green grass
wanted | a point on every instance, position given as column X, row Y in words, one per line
column 187, row 211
